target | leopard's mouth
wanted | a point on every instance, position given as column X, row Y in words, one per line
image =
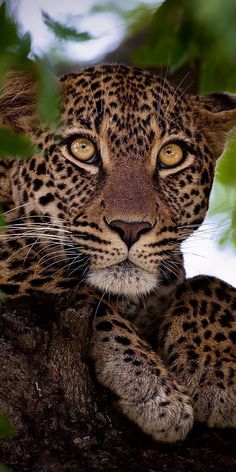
column 124, row 278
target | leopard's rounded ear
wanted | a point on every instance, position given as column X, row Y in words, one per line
column 18, row 111
column 18, row 102
column 216, row 116
column 217, row 102
column 217, row 110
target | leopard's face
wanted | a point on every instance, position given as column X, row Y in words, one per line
column 127, row 173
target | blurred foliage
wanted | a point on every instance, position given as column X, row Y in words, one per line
column 135, row 18
column 64, row 32
column 15, row 53
column 226, row 169
column 6, row 431
column 223, row 206
column 48, row 92
column 12, row 144
column 2, row 223
column 199, row 33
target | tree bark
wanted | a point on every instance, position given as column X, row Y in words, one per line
column 63, row 420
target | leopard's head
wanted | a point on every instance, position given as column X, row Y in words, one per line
column 127, row 172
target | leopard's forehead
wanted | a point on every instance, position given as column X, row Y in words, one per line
column 121, row 88
column 121, row 81
column 127, row 100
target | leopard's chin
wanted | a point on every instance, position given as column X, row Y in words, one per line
column 123, row 279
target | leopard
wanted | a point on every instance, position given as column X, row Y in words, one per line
column 102, row 207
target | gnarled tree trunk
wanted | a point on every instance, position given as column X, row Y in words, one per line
column 64, row 421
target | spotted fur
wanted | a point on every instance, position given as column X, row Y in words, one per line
column 116, row 226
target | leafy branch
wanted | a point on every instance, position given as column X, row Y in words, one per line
column 63, row 31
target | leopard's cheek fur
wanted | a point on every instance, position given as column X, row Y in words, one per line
column 70, row 199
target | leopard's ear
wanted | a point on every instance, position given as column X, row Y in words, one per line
column 18, row 102
column 217, row 102
column 18, row 111
column 216, row 116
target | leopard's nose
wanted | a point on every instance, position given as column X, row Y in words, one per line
column 130, row 232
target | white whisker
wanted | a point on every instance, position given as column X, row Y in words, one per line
column 16, row 208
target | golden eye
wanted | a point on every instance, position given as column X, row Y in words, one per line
column 170, row 155
column 84, row 150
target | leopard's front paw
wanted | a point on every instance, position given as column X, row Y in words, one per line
column 166, row 417
column 216, row 405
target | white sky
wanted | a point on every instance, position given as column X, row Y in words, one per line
column 203, row 255
column 106, row 28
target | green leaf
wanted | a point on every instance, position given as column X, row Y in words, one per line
column 6, row 430
column 224, row 237
column 2, row 219
column 3, row 468
column 226, row 168
column 15, row 145
column 9, row 34
column 14, row 48
column 63, row 31
column 108, row 6
column 24, row 46
column 217, row 73
column 222, row 203
column 137, row 17
column 161, row 45
column 48, row 93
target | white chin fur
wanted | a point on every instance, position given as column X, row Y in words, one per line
column 123, row 280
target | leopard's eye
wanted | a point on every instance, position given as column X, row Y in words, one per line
column 84, row 150
column 170, row 155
